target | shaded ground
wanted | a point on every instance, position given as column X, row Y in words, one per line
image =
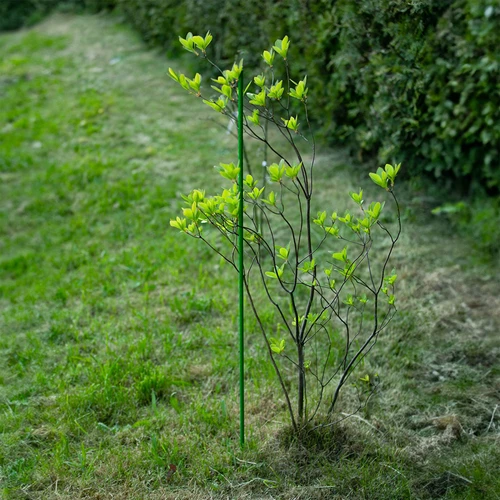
column 102, row 305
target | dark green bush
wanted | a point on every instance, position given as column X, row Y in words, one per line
column 419, row 81
column 16, row 14
column 413, row 80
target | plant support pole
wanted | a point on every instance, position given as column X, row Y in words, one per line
column 241, row 323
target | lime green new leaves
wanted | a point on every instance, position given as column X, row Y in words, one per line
column 321, row 219
column 228, row 170
column 357, row 197
column 254, row 117
column 258, row 99
column 271, row 199
column 278, row 274
column 277, row 346
column 276, row 171
column 300, row 91
column 230, row 76
column 190, row 42
column 255, row 193
column 283, row 252
column 349, row 267
column 218, row 105
column 186, row 83
column 342, row 256
column 225, row 90
column 219, row 210
column 389, row 282
column 276, row 91
column 260, row 81
column 281, row 46
column 293, row 171
column 194, row 201
column 308, row 266
column 180, row 224
column 268, row 57
column 292, row 123
column 385, row 177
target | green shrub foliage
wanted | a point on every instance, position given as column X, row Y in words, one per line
column 416, row 81
column 16, row 14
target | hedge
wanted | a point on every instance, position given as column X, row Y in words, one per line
column 414, row 81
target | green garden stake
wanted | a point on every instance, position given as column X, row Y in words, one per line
column 240, row 262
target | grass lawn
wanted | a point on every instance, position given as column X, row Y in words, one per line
column 118, row 337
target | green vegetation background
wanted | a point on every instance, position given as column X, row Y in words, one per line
column 396, row 81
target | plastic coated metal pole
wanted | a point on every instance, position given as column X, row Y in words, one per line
column 240, row 262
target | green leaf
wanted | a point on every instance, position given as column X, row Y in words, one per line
column 258, row 99
column 218, row 105
column 281, row 46
column 278, row 274
column 179, row 223
column 334, row 231
column 195, row 83
column 391, row 279
column 357, row 197
column 173, row 75
column 229, row 171
column 277, row 346
column 300, row 91
column 348, row 271
column 220, row 80
column 375, row 209
column 276, row 91
column 363, row 299
column 249, row 181
column 349, row 300
column 308, row 266
column 254, row 118
column 260, row 80
column 293, row 171
column 199, row 42
column 378, row 180
column 292, row 123
column 268, row 57
column 271, row 200
column 188, row 43
column 183, row 82
column 276, row 171
column 320, row 219
column 256, row 193
column 208, row 39
column 342, row 256
column 283, row 252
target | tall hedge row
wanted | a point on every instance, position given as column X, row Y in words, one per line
column 416, row 81
column 16, row 14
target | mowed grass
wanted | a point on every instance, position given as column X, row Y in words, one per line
column 118, row 346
